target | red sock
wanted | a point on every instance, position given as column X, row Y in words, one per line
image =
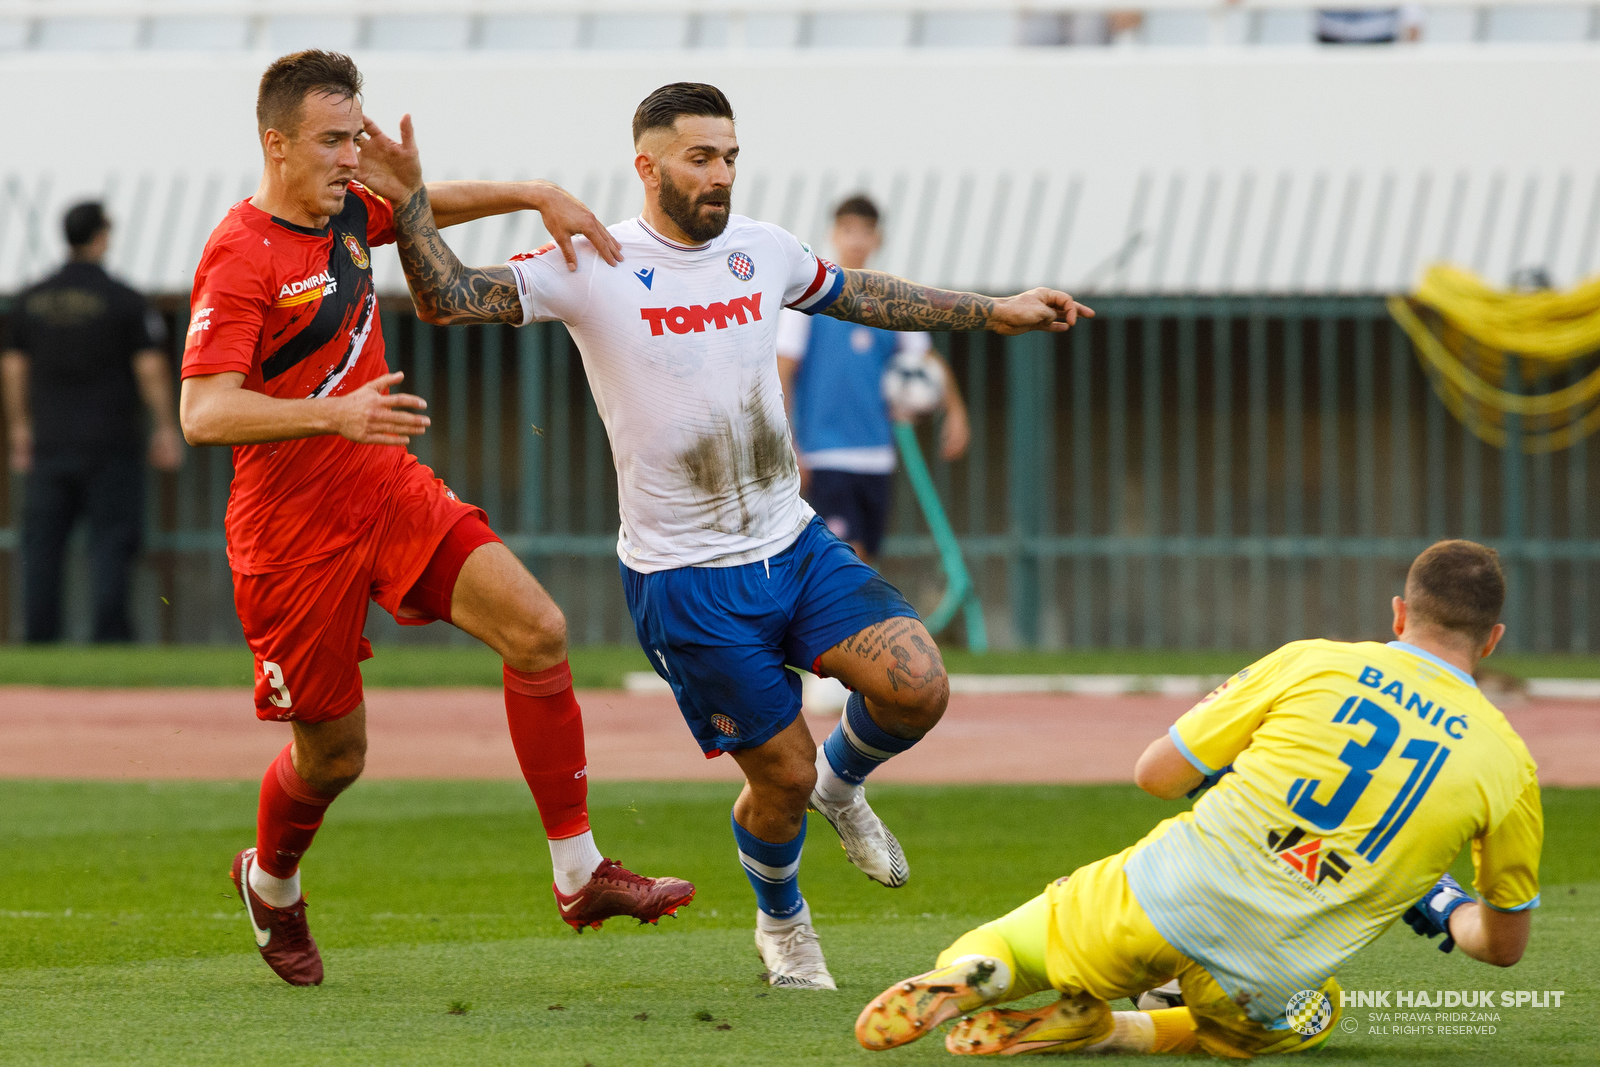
column 288, row 818
column 547, row 733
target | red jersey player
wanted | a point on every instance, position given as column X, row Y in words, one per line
column 284, row 361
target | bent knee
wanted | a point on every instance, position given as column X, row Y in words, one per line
column 792, row 782
column 334, row 771
column 918, row 710
column 932, row 699
column 536, row 640
column 344, row 771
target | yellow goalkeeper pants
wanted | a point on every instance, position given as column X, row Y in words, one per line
column 1086, row 935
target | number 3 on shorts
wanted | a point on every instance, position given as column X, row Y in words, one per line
column 274, row 673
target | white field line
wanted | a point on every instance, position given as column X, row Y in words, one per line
column 820, row 696
column 1565, row 688
column 1084, row 684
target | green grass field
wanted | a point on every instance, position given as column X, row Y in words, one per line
column 601, row 666
column 121, row 942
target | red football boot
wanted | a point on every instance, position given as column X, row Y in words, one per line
column 281, row 933
column 614, row 890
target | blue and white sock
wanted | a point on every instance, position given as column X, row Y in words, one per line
column 854, row 750
column 774, row 873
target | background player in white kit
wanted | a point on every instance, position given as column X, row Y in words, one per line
column 729, row 574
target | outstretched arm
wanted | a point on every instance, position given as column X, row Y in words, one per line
column 393, row 169
column 457, row 202
column 445, row 292
column 874, row 298
column 564, row 215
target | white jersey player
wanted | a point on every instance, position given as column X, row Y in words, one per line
column 678, row 345
column 729, row 576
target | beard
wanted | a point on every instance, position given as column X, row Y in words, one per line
column 684, row 211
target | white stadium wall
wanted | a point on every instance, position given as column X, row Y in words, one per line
column 1179, row 170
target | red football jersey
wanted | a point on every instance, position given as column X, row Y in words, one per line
column 294, row 310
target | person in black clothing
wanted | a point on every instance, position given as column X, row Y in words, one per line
column 83, row 350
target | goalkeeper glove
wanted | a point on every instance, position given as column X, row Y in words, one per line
column 1208, row 781
column 1430, row 916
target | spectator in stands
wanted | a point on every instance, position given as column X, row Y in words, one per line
column 1370, row 25
column 1080, row 28
column 82, row 351
column 832, row 373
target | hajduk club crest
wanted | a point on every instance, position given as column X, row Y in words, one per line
column 741, row 266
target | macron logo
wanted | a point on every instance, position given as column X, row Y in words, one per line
column 647, row 275
column 695, row 317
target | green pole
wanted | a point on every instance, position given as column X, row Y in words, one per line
column 959, row 594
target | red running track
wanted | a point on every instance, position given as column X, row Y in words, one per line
column 461, row 733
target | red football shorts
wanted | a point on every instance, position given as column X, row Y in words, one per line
column 305, row 624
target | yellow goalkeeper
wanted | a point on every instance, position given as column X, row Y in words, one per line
column 1345, row 779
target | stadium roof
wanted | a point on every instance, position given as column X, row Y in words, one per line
column 1171, row 171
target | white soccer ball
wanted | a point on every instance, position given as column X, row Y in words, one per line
column 913, row 385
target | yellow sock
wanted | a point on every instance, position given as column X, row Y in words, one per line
column 1018, row 940
column 1174, row 1030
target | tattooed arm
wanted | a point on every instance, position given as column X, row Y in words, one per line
column 445, row 292
column 874, row 298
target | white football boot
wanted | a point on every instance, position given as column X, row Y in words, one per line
column 867, row 842
column 793, row 956
column 1162, row 996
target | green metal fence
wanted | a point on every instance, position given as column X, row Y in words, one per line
column 1206, row 472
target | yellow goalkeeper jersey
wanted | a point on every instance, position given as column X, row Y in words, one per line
column 1360, row 771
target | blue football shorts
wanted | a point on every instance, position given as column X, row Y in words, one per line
column 722, row 637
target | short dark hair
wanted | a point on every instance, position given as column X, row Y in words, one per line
column 290, row 79
column 660, row 110
column 84, row 222
column 1458, row 586
column 859, row 206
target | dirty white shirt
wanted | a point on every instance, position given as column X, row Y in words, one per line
column 680, row 345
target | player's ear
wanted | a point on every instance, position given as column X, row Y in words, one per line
column 645, row 166
column 1399, row 605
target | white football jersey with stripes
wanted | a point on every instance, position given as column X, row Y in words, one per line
column 680, row 345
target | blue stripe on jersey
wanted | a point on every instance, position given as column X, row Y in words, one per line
column 1248, row 945
column 830, row 283
column 1406, row 646
column 1183, row 749
column 1534, row 903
